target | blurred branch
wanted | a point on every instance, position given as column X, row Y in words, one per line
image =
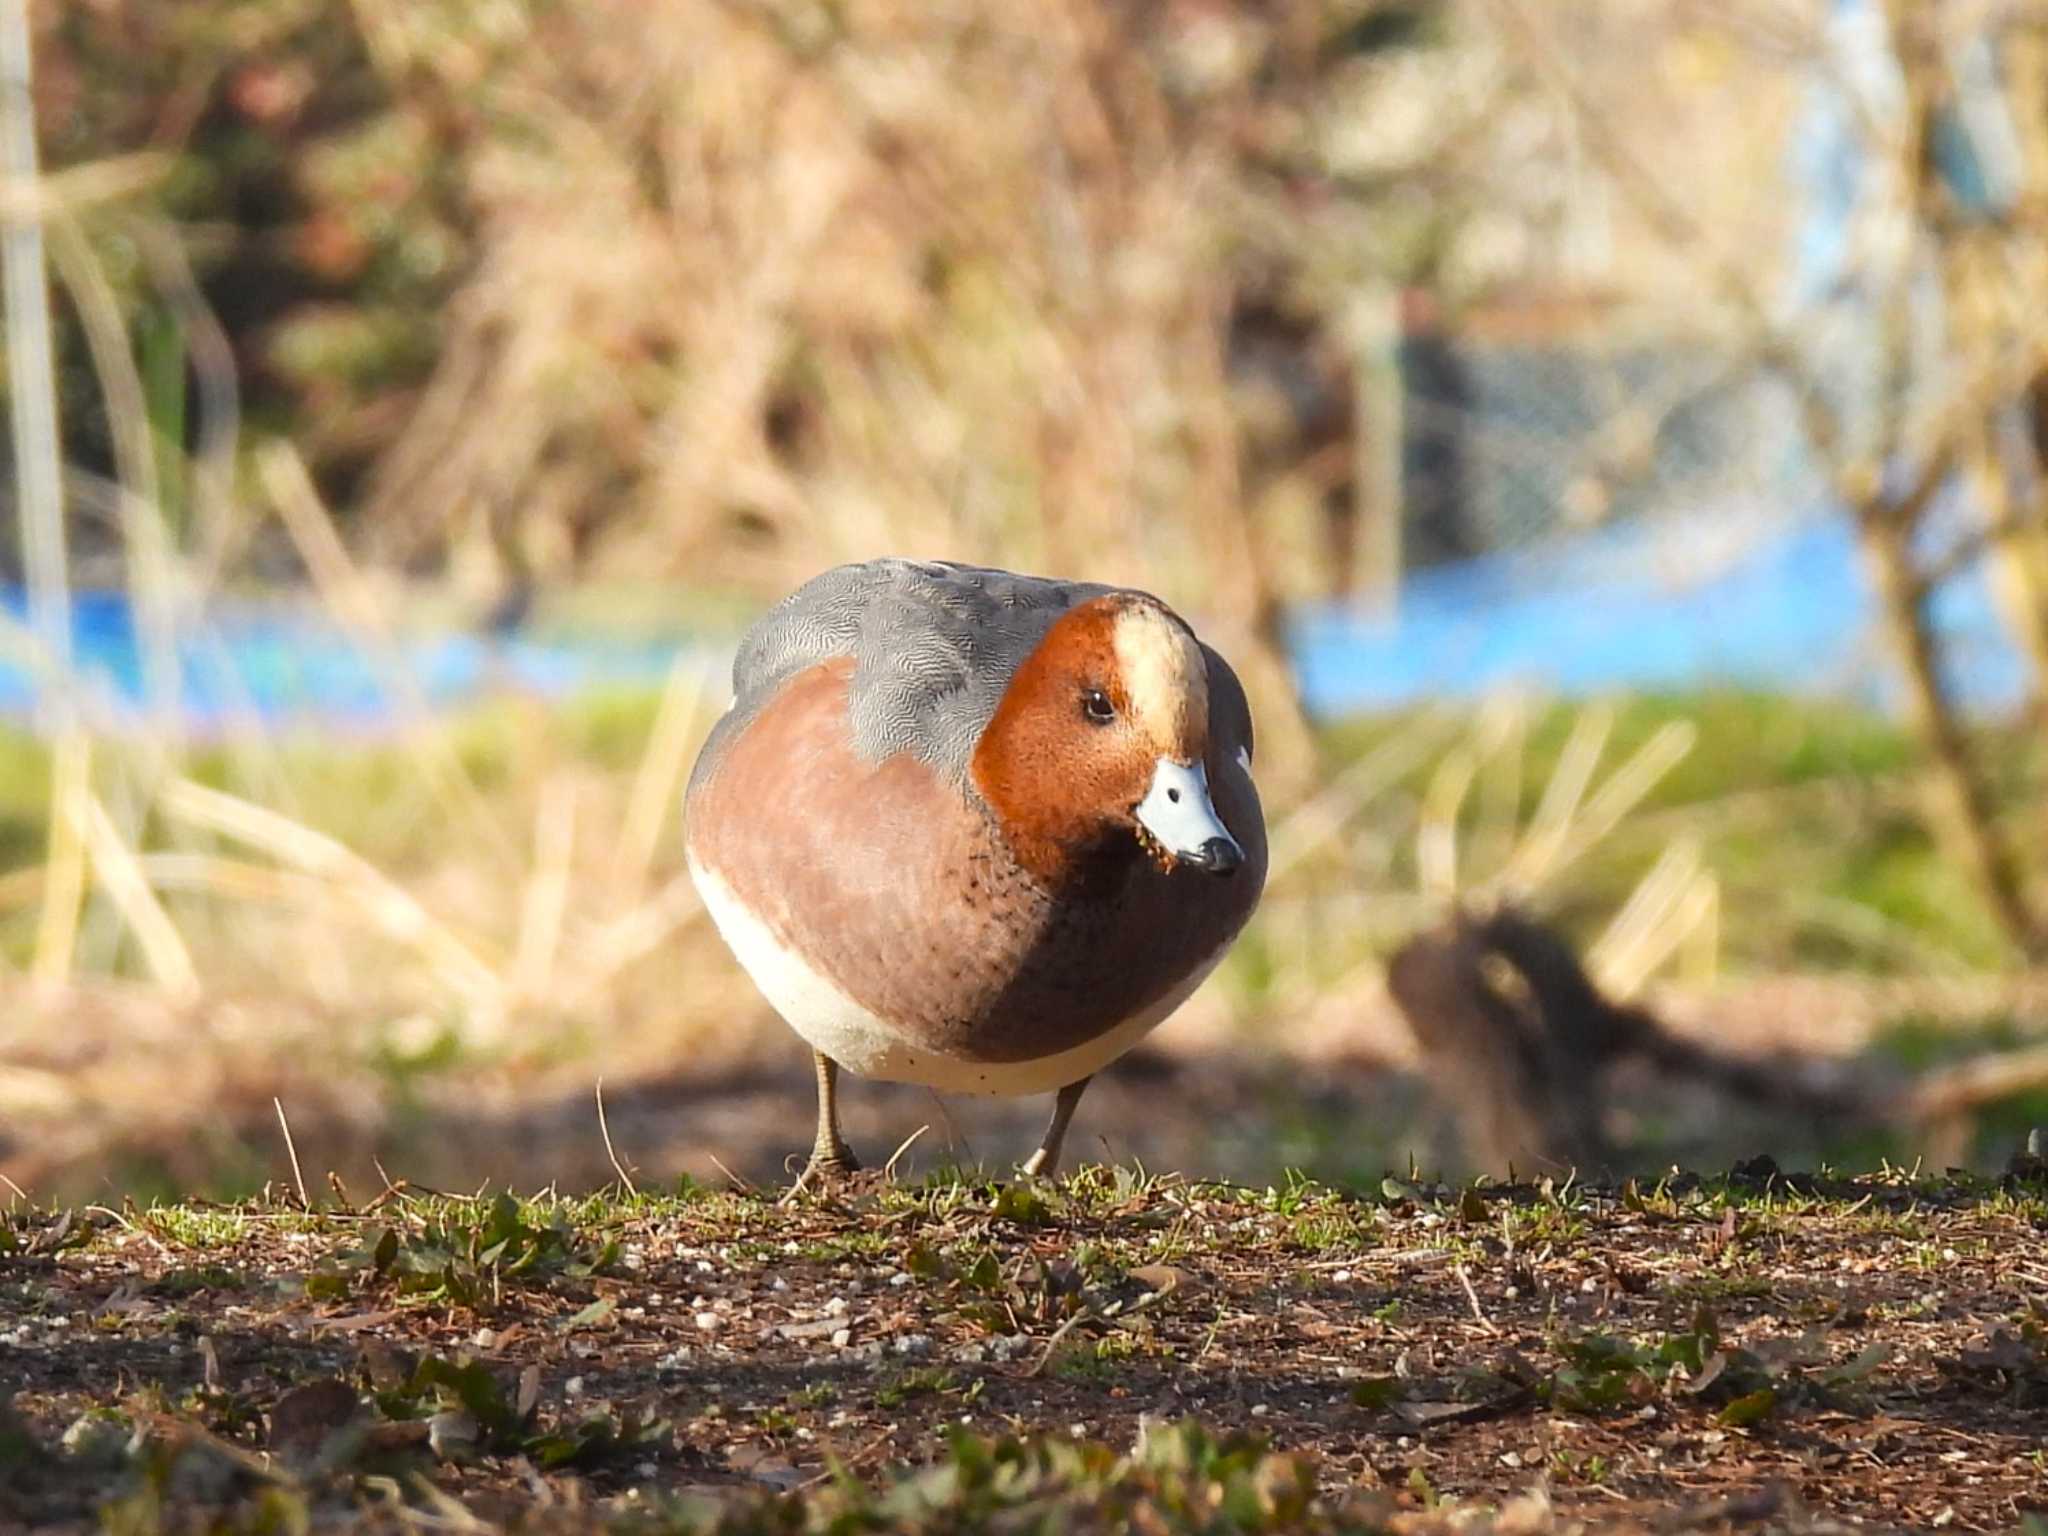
column 1888, row 520
column 152, row 574
column 1950, row 1092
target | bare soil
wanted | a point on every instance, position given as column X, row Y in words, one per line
column 1756, row 1352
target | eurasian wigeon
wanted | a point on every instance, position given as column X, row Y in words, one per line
column 975, row 830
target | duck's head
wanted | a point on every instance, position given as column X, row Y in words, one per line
column 1103, row 735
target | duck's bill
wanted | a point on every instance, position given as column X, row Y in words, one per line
column 1181, row 820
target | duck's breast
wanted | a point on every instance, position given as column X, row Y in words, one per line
column 878, row 910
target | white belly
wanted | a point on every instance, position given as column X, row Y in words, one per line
column 860, row 1041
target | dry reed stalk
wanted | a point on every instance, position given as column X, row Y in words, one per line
column 38, row 483
column 1316, row 822
column 31, row 369
column 604, row 1129
column 546, row 894
column 1503, row 744
column 1559, row 804
column 685, row 702
column 1436, row 835
column 233, row 880
column 1663, row 909
column 1610, row 805
column 115, row 863
column 210, row 469
column 64, row 860
column 629, row 939
column 393, row 910
column 292, row 1152
column 348, row 597
column 77, row 189
column 152, row 573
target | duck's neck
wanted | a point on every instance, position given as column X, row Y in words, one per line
column 1066, row 861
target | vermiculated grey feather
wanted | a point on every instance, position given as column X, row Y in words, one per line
column 934, row 646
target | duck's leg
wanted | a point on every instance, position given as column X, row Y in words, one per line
column 829, row 1153
column 1047, row 1157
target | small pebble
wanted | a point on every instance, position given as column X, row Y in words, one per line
column 573, row 1387
column 842, row 1338
column 709, row 1322
column 779, row 1285
column 837, row 1307
column 901, row 1278
column 1260, row 1410
column 675, row 1360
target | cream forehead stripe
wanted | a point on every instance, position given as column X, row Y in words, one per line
column 1164, row 677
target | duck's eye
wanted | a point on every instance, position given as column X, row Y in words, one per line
column 1096, row 706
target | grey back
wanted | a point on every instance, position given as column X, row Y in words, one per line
column 934, row 646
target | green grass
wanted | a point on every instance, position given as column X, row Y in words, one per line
column 1806, row 813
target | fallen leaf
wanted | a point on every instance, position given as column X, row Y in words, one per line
column 1855, row 1370
column 591, row 1315
column 1749, row 1409
column 1164, row 1278
column 305, row 1418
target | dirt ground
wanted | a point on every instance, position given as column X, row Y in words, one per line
column 1758, row 1352
column 122, row 1098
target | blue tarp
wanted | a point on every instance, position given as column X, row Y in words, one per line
column 249, row 663
column 1711, row 600
column 1641, row 608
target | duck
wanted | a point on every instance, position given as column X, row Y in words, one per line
column 974, row 830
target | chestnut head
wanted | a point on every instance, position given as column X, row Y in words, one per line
column 1103, row 733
